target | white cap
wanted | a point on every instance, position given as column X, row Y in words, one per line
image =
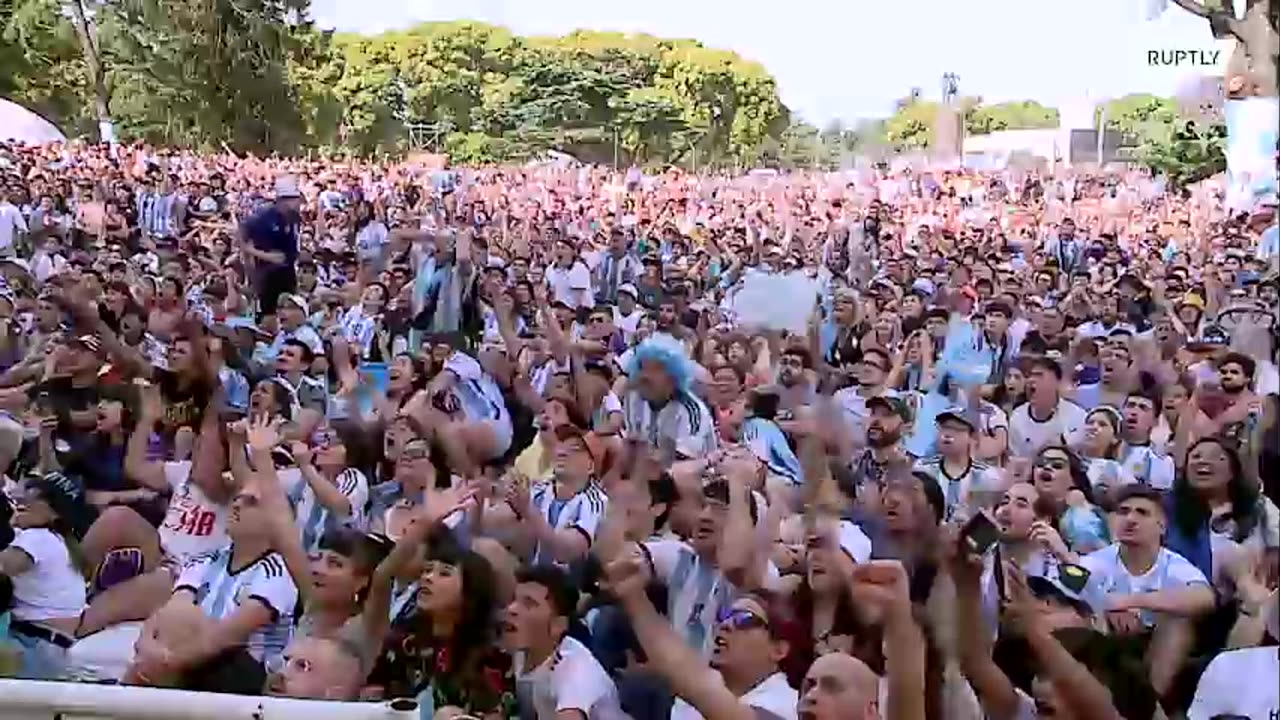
column 629, row 289
column 297, row 301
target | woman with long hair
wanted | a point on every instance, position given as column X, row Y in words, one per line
column 438, row 647
column 1100, row 450
column 1062, row 478
column 1012, row 390
column 406, row 375
column 48, row 572
column 331, row 485
column 1216, row 508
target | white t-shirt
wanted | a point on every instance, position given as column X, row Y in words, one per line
column 193, row 524
column 52, row 588
column 11, row 224
column 1027, row 435
column 773, row 695
column 1110, row 576
column 628, row 324
column 1239, row 682
column 571, row 286
column 571, row 679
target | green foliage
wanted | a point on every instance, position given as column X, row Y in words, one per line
column 1187, row 153
column 1141, row 116
column 40, row 63
column 1020, row 115
column 257, row 75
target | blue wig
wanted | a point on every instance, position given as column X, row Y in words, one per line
column 668, row 351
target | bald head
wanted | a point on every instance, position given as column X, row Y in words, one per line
column 839, row 687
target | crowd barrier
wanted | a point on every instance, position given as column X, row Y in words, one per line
column 31, row 700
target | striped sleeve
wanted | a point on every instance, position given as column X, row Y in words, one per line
column 353, row 484
column 273, row 587
column 590, row 511
column 194, row 571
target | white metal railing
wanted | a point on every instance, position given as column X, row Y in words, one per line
column 32, row 700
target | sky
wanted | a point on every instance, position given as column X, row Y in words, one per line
column 850, row 59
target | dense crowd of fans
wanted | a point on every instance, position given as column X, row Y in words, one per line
column 507, row 442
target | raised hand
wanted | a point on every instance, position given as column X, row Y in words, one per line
column 263, row 434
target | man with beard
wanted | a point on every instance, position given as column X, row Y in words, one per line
column 1243, row 407
column 1028, row 540
column 890, row 418
column 870, row 373
column 667, row 321
column 795, row 386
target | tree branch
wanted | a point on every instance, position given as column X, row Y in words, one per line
column 1225, row 17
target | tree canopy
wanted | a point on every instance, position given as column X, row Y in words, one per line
column 258, row 75
column 911, row 126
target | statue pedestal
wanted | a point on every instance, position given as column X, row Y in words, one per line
column 948, row 135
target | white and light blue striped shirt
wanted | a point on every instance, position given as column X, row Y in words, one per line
column 220, row 592
column 313, row 518
column 581, row 512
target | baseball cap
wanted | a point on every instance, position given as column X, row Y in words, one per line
column 895, row 405
column 1193, row 300
column 960, row 414
column 296, row 301
column 595, row 448
column 1211, row 336
column 65, row 495
column 923, row 286
column 1067, row 584
column 629, row 289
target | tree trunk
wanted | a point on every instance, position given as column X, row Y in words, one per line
column 1258, row 47
column 106, row 131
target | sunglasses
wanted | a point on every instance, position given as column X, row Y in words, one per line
column 739, row 619
column 415, row 454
